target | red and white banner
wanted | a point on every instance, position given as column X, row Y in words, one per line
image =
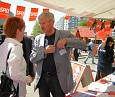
column 33, row 14
column 98, row 26
column 20, row 11
column 45, row 10
column 4, row 10
column 90, row 22
column 67, row 17
column 107, row 25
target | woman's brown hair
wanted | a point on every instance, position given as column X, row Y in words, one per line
column 11, row 25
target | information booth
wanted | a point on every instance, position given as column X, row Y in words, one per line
column 104, row 87
column 81, row 73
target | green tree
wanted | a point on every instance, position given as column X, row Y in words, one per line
column 1, row 25
column 36, row 30
column 82, row 23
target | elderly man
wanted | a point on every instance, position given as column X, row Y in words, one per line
column 50, row 54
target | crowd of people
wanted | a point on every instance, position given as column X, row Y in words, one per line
column 47, row 60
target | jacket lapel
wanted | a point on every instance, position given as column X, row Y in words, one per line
column 57, row 36
column 42, row 40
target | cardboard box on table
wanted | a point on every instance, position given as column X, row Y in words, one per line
column 81, row 73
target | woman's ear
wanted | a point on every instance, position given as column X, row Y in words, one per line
column 17, row 34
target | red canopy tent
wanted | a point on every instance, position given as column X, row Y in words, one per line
column 86, row 32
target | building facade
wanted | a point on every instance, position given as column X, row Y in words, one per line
column 69, row 24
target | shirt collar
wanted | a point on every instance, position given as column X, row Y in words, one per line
column 14, row 41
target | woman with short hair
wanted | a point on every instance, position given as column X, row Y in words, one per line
column 14, row 31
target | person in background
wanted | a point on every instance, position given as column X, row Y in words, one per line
column 90, row 51
column 105, row 58
column 2, row 36
column 76, row 53
column 51, row 55
column 27, row 46
column 14, row 31
column 113, row 64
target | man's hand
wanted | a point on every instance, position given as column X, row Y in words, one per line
column 61, row 43
column 29, row 84
column 49, row 49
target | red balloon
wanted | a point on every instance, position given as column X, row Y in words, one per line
column 101, row 34
column 97, row 29
column 89, row 24
column 108, row 31
column 99, row 22
column 98, row 25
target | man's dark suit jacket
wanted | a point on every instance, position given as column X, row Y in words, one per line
column 27, row 46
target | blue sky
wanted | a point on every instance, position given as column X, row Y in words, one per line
column 28, row 6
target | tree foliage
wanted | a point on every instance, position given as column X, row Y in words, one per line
column 82, row 23
column 36, row 30
column 1, row 26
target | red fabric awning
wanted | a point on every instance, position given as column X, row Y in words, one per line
column 86, row 32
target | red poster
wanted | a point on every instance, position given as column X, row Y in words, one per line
column 45, row 10
column 33, row 14
column 20, row 11
column 107, row 25
column 67, row 17
column 98, row 26
column 4, row 10
column 90, row 22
